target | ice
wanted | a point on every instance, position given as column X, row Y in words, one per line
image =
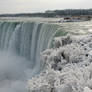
column 67, row 66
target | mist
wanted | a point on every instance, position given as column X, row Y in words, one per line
column 13, row 73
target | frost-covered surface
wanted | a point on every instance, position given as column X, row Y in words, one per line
column 68, row 66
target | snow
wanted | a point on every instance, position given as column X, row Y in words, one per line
column 68, row 66
column 86, row 89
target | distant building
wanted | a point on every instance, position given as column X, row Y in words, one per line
column 75, row 19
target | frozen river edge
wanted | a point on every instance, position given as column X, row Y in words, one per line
column 68, row 66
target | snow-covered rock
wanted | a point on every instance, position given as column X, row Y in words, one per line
column 86, row 89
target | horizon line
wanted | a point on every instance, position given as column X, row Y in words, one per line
column 44, row 11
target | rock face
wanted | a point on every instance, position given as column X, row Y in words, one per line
column 68, row 66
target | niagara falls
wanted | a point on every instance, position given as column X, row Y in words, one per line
column 20, row 47
column 35, row 56
column 45, row 46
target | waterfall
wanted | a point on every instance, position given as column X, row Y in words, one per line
column 23, row 41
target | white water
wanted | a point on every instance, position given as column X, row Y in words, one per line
column 20, row 47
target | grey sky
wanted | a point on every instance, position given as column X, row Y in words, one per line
column 24, row 6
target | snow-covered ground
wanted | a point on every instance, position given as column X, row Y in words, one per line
column 68, row 66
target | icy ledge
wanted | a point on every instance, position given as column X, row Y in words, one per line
column 68, row 66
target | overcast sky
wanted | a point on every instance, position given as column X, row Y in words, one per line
column 24, row 6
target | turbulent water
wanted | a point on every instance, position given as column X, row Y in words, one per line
column 78, row 27
column 21, row 44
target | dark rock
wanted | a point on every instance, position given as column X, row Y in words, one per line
column 66, row 41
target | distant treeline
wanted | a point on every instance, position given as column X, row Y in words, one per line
column 54, row 13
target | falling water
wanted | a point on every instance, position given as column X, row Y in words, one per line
column 20, row 46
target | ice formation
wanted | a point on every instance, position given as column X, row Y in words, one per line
column 68, row 66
